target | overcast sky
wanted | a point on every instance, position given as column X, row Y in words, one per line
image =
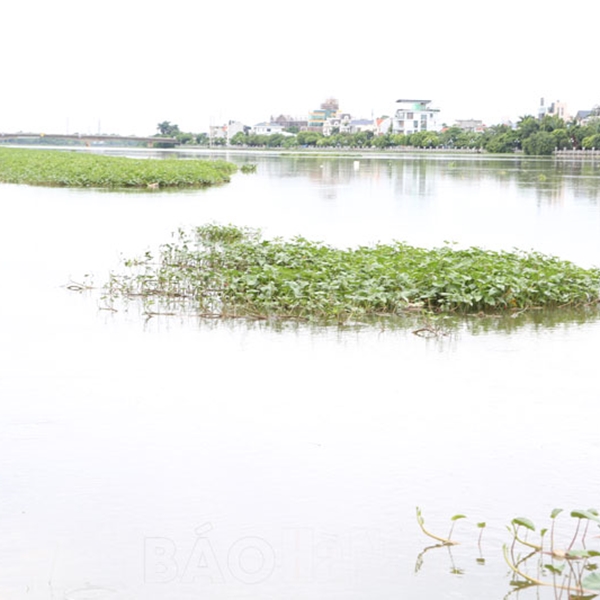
column 123, row 66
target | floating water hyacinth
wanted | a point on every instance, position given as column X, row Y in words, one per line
column 228, row 271
column 74, row 169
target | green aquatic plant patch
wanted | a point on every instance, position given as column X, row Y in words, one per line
column 76, row 169
column 227, row 271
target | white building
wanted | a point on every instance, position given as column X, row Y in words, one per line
column 411, row 116
column 383, row 125
column 267, row 128
column 359, row 125
column 340, row 123
column 226, row 131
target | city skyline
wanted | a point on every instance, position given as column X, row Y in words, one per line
column 123, row 67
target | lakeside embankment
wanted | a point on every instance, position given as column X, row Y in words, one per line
column 592, row 155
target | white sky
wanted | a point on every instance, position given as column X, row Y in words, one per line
column 123, row 66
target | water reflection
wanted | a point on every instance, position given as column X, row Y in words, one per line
column 422, row 176
column 116, row 429
column 440, row 326
column 550, row 179
column 549, row 572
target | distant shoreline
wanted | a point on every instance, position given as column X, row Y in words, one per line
column 347, row 152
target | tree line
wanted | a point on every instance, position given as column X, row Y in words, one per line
column 531, row 135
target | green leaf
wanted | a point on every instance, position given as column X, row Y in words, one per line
column 591, row 582
column 555, row 569
column 519, row 584
column 555, row 513
column 585, row 514
column 524, row 523
column 456, row 517
column 481, row 525
column 582, row 553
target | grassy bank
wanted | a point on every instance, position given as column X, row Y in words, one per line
column 75, row 169
column 226, row 271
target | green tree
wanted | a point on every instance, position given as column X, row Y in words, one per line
column 362, row 139
column 469, row 139
column 540, row 144
column 290, row 141
column 308, row 138
column 577, row 133
column 591, row 141
column 382, row 141
column 399, row 139
column 424, row 139
column 527, row 126
column 500, row 139
column 450, row 135
column 168, row 129
column 561, row 138
column 551, row 122
column 275, row 140
column 239, row 139
column 257, row 140
column 184, row 138
column 344, row 140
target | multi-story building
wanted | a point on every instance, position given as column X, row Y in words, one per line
column 555, row 109
column 317, row 117
column 341, row 123
column 226, row 131
column 411, row 116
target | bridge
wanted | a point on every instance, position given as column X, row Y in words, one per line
column 88, row 139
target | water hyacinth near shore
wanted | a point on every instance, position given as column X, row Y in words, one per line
column 225, row 271
column 75, row 169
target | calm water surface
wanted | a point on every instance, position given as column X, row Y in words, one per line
column 175, row 459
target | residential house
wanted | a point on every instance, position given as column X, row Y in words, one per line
column 340, row 123
column 411, row 116
column 583, row 117
column 471, row 125
column 383, row 125
column 267, row 128
column 358, row 125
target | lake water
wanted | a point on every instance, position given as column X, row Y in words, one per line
column 170, row 458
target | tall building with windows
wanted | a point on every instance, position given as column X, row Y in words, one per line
column 411, row 116
column 554, row 109
column 328, row 109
